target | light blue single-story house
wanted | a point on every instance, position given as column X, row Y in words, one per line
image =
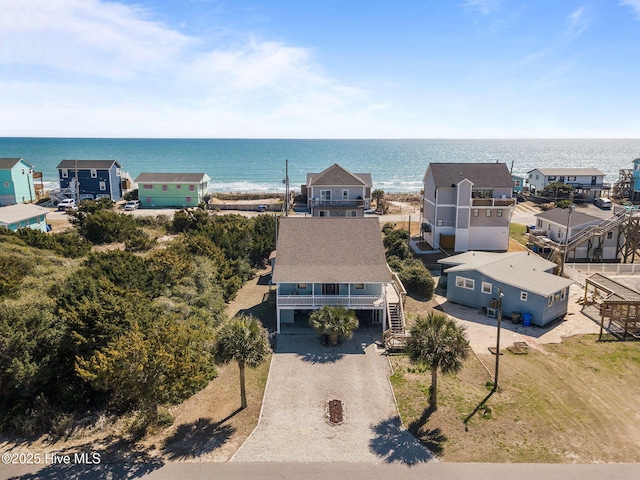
column 16, row 181
column 23, row 215
column 527, row 282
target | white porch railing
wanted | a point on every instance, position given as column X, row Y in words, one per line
column 357, row 301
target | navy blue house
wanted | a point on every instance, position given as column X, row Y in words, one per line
column 97, row 178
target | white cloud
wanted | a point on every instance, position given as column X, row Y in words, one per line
column 633, row 4
column 577, row 22
column 483, row 6
column 89, row 68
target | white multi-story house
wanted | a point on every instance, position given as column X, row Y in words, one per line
column 336, row 192
column 334, row 261
column 467, row 206
column 588, row 182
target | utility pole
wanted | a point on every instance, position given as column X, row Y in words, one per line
column 75, row 161
column 566, row 239
column 286, row 181
column 495, row 376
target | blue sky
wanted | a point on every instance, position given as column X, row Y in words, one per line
column 320, row 69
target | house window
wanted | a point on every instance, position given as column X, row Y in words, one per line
column 524, row 296
column 439, row 222
column 103, row 185
column 345, row 194
column 537, row 177
column 359, row 286
column 147, row 186
column 351, row 213
column 463, row 282
column 486, row 287
column 302, row 286
column 488, row 212
column 499, row 212
column 571, row 179
column 563, row 293
column 94, row 173
column 178, row 187
column 552, row 178
column 6, row 184
column 550, row 301
column 118, row 172
column 192, row 188
column 165, row 188
column 65, row 173
column 539, row 224
column 188, row 199
column 323, row 213
column 476, row 212
column 325, row 195
column 609, row 235
column 147, row 200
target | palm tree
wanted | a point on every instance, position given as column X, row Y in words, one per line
column 439, row 343
column 378, row 194
column 336, row 322
column 245, row 340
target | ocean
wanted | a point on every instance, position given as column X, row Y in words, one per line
column 258, row 165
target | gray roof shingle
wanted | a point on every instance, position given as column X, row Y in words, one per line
column 330, row 250
column 87, row 164
column 482, row 175
column 21, row 211
column 569, row 171
column 518, row 269
column 7, row 163
column 172, row 178
column 336, row 175
column 560, row 216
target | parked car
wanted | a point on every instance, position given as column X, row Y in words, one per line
column 67, row 204
column 262, row 208
column 603, row 203
column 131, row 205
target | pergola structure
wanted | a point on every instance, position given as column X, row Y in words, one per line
column 617, row 303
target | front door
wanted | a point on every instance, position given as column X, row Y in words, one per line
column 329, row 288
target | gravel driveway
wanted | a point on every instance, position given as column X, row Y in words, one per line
column 305, row 375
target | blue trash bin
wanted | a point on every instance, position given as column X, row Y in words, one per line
column 526, row 319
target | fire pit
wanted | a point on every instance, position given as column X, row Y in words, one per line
column 335, row 412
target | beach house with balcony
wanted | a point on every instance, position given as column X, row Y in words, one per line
column 529, row 287
column 587, row 182
column 334, row 261
column 181, row 190
column 336, row 192
column 16, row 181
column 590, row 238
column 96, row 178
column 467, row 206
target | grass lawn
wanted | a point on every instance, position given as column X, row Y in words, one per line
column 576, row 402
column 518, row 232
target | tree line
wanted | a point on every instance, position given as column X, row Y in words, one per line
column 122, row 330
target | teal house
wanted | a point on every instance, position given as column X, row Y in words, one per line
column 635, row 187
column 23, row 215
column 157, row 190
column 16, row 181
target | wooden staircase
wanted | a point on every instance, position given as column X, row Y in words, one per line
column 395, row 337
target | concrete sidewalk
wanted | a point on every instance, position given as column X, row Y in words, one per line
column 305, row 375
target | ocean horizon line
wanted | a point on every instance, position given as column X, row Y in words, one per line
column 367, row 139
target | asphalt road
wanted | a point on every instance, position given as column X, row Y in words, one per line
column 328, row 471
